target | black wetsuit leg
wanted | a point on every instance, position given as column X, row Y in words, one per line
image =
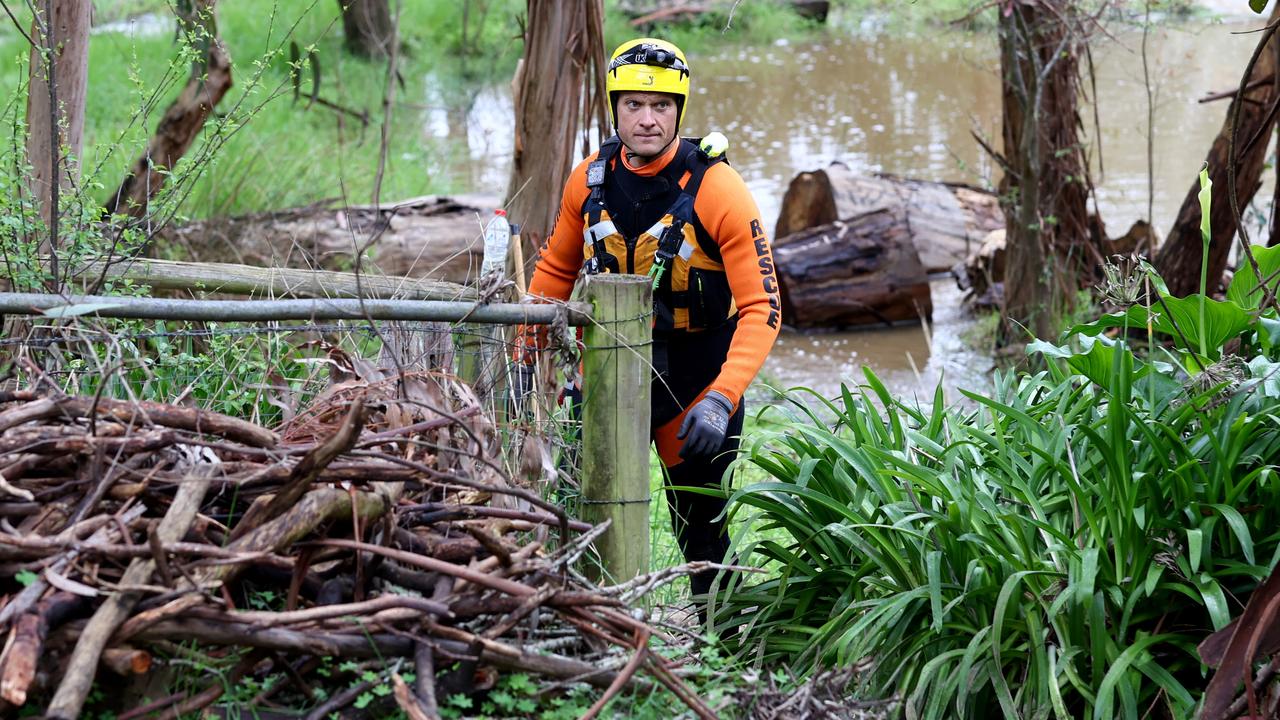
column 685, row 365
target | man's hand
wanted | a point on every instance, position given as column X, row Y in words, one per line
column 705, row 425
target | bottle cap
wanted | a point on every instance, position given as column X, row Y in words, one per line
column 500, row 212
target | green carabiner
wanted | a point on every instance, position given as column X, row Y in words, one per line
column 656, row 271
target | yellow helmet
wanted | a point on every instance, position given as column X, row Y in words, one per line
column 647, row 65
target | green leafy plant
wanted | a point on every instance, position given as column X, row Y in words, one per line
column 1055, row 549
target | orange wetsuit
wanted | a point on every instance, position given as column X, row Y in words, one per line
column 730, row 251
column 727, row 211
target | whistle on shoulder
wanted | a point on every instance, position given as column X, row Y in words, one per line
column 714, row 145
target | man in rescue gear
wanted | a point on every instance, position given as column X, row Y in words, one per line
column 651, row 203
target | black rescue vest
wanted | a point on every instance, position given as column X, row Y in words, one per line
column 691, row 289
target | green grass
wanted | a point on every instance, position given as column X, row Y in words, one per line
column 175, row 362
column 287, row 154
column 747, row 24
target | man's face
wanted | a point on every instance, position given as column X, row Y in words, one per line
column 646, row 123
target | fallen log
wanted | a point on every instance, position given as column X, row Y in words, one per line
column 982, row 274
column 945, row 221
column 262, row 282
column 859, row 271
column 435, row 237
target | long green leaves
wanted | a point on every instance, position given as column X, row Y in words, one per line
column 1054, row 550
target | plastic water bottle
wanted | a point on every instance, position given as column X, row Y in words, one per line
column 497, row 237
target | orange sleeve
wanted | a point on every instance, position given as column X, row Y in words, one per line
column 559, row 260
column 560, row 257
column 728, row 212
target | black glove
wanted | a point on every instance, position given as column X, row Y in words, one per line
column 705, row 425
column 522, row 384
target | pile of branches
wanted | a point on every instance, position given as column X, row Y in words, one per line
column 822, row 696
column 377, row 516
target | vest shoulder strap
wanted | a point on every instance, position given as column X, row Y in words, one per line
column 698, row 163
column 597, row 172
column 598, row 168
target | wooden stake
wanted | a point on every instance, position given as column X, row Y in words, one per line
column 615, row 420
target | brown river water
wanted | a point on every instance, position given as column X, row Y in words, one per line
column 907, row 103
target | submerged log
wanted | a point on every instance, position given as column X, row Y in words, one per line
column 982, row 274
column 945, row 221
column 434, row 237
column 859, row 271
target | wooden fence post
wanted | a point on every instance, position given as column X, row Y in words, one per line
column 615, row 420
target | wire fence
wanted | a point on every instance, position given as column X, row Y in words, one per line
column 270, row 372
column 268, row 361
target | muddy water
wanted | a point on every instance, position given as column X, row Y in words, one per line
column 908, row 104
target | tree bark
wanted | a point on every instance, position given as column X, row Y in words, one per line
column 1045, row 187
column 1274, row 238
column 860, row 271
column 367, row 28
column 182, row 122
column 1179, row 258
column 1275, row 195
column 558, row 89
column 60, row 29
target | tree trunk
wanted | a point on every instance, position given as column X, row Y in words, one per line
column 558, row 90
column 1275, row 194
column 65, row 37
column 367, row 28
column 182, row 122
column 1045, row 187
column 1179, row 258
column 862, row 270
column 947, row 221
